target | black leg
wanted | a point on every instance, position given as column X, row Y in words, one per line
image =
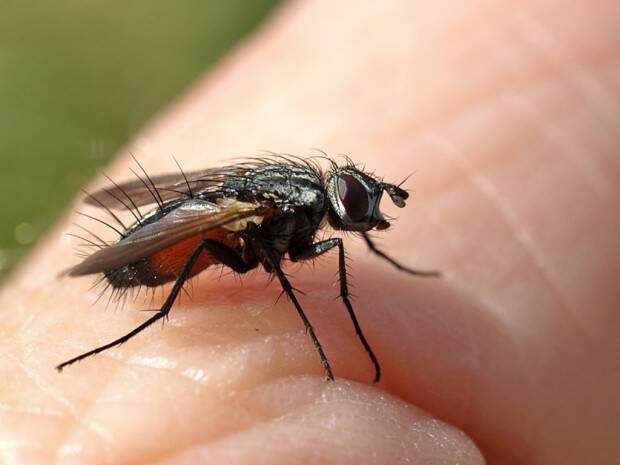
column 373, row 248
column 165, row 309
column 288, row 289
column 229, row 257
column 314, row 250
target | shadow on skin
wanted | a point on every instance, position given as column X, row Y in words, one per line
column 426, row 335
column 233, row 366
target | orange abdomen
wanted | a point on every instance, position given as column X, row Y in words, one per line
column 166, row 265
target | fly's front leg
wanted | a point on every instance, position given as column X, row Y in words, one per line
column 271, row 259
column 314, row 250
column 373, row 248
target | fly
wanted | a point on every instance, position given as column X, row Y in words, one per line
column 241, row 216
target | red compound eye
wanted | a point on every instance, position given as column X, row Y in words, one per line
column 354, row 197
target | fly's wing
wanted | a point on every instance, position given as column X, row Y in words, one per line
column 165, row 187
column 190, row 219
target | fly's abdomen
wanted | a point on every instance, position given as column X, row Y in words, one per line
column 166, row 265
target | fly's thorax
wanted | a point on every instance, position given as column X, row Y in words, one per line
column 285, row 186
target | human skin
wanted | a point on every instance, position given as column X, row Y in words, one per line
column 508, row 114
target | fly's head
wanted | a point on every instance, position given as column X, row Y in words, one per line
column 354, row 199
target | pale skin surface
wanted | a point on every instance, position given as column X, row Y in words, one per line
column 508, row 113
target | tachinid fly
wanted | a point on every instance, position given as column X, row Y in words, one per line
column 240, row 216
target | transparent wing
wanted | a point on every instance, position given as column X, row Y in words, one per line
column 190, row 219
column 162, row 188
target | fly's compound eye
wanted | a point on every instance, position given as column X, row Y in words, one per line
column 353, row 196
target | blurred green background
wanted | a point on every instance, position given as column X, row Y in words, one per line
column 79, row 77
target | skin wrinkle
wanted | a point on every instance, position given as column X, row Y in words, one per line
column 111, row 443
column 29, row 410
column 317, row 459
column 589, row 170
column 541, row 42
column 87, row 414
column 308, row 406
column 184, row 373
column 489, row 192
column 523, row 236
column 509, row 215
column 156, row 362
column 71, row 429
column 262, row 418
column 554, row 133
column 583, row 83
column 531, row 448
column 446, row 328
column 476, row 406
column 597, row 181
column 486, row 187
column 8, row 445
column 525, row 27
column 70, row 408
column 469, row 384
column 544, row 41
column 501, row 82
column 467, row 389
column 169, row 335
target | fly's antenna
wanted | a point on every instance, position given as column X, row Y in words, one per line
column 110, row 212
column 161, row 201
column 124, row 192
column 189, row 188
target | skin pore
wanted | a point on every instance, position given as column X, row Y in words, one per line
column 507, row 113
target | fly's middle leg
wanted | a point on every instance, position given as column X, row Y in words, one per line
column 314, row 250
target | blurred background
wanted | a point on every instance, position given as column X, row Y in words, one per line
column 78, row 78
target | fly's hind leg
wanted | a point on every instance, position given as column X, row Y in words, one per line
column 163, row 311
column 314, row 250
column 373, row 248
